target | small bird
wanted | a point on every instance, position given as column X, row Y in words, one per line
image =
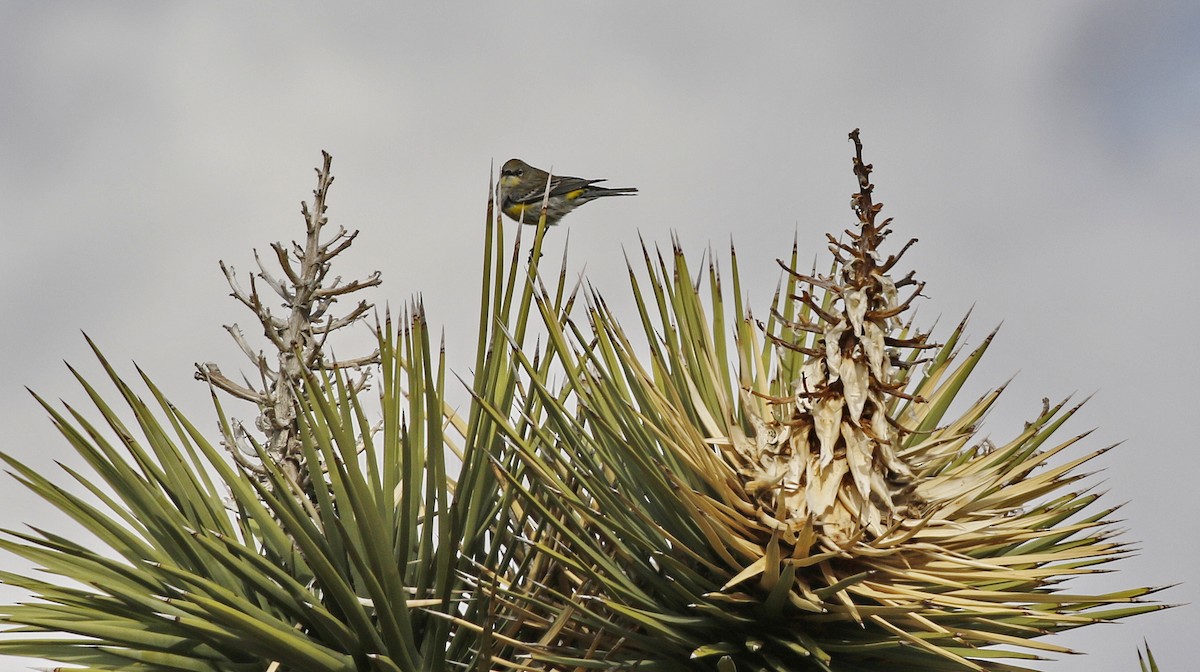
column 522, row 188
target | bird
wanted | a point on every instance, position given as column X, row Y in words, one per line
column 523, row 187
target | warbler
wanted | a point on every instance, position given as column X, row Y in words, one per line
column 522, row 188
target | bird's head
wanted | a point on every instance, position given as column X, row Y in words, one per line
column 512, row 172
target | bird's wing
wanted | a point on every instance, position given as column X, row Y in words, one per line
column 559, row 185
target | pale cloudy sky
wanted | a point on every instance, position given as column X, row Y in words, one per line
column 1043, row 152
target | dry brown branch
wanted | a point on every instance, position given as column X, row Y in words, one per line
column 298, row 336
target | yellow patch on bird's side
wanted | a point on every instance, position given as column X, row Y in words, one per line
column 572, row 195
column 515, row 210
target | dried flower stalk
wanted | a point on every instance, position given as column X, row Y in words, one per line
column 297, row 337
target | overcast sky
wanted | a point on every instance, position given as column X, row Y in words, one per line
column 1044, row 153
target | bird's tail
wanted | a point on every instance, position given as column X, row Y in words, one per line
column 613, row 191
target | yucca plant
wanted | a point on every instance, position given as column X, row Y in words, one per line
column 1146, row 660
column 350, row 538
column 788, row 494
column 800, row 497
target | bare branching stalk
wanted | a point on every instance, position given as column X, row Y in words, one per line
column 297, row 337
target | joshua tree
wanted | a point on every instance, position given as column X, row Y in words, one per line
column 713, row 492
